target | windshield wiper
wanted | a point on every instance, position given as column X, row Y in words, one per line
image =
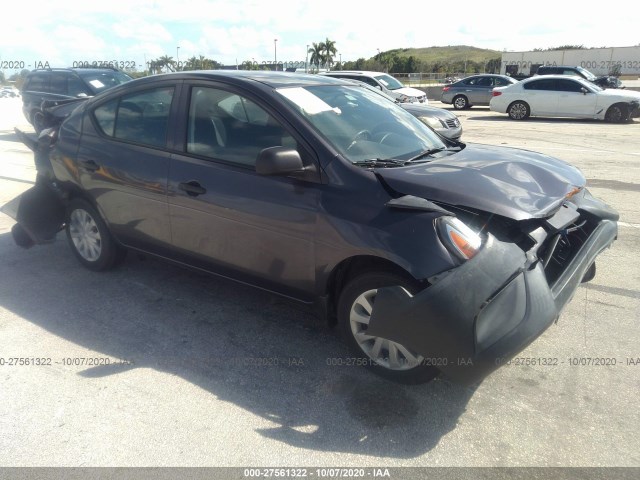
column 431, row 151
column 380, row 162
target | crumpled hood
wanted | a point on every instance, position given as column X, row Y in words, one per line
column 511, row 182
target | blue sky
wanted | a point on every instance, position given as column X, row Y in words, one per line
column 65, row 31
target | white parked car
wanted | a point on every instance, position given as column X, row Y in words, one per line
column 564, row 96
column 383, row 82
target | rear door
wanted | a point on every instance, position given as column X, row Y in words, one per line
column 123, row 163
column 224, row 216
column 542, row 96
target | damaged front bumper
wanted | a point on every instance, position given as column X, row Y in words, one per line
column 491, row 307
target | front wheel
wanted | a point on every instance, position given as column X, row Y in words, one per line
column 617, row 113
column 519, row 111
column 385, row 357
column 89, row 237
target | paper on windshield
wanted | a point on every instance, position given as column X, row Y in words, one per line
column 307, row 100
column 97, row 83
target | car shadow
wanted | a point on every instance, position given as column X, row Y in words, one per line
column 9, row 136
column 264, row 354
column 547, row 120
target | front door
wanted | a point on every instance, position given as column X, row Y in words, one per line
column 227, row 218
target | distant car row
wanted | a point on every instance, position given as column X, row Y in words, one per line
column 549, row 95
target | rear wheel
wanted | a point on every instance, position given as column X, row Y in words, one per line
column 519, row 111
column 617, row 113
column 385, row 357
column 89, row 237
column 460, row 102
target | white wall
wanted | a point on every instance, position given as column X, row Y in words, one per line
column 597, row 60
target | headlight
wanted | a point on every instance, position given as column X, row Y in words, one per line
column 458, row 238
column 432, row 122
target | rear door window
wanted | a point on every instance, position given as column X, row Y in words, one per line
column 139, row 118
column 542, row 84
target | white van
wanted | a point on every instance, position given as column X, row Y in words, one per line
column 384, row 82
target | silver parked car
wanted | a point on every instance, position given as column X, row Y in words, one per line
column 473, row 90
column 442, row 121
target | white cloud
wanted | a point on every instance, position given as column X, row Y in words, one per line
column 66, row 30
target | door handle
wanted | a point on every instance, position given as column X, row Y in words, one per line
column 192, row 188
column 89, row 165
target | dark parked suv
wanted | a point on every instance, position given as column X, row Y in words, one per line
column 430, row 255
column 63, row 84
column 604, row 81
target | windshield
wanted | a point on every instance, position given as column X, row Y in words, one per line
column 389, row 82
column 362, row 125
column 99, row 81
column 590, row 86
column 587, row 74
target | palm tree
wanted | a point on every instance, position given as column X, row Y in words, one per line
column 166, row 61
column 317, row 55
column 329, row 51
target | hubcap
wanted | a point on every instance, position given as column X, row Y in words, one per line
column 460, row 103
column 383, row 352
column 518, row 111
column 85, row 235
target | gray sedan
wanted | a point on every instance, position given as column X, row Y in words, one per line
column 473, row 90
column 442, row 121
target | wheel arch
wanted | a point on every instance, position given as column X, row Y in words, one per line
column 350, row 268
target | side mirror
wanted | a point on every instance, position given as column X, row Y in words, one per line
column 278, row 161
column 584, row 91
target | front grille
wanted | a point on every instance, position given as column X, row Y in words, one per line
column 560, row 248
column 453, row 123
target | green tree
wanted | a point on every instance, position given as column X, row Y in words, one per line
column 328, row 48
column 166, row 62
column 317, row 55
column 201, row 63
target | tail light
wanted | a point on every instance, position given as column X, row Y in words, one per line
column 496, row 94
column 445, row 89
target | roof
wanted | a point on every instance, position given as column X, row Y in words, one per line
column 271, row 79
column 356, row 72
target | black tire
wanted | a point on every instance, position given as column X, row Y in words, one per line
column 89, row 238
column 460, row 102
column 617, row 113
column 519, row 110
column 409, row 369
